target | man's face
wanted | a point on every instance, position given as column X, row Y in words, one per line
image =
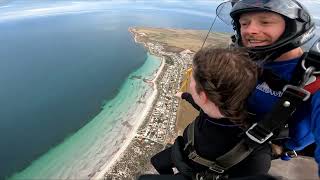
column 261, row 28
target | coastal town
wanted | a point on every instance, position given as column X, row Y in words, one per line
column 158, row 128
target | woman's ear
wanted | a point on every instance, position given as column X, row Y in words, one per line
column 203, row 97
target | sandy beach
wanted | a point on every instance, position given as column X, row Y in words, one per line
column 139, row 117
column 155, row 123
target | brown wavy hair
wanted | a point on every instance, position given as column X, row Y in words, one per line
column 227, row 76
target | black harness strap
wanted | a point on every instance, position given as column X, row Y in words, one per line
column 277, row 83
column 257, row 134
column 212, row 165
column 293, row 95
column 236, row 154
column 291, row 98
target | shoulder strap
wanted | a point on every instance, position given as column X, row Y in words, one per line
column 262, row 131
column 294, row 93
column 190, row 133
column 235, row 155
column 238, row 153
column 192, row 153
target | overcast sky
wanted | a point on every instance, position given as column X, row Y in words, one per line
column 19, row 9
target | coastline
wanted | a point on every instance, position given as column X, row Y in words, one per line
column 157, row 121
column 142, row 116
column 103, row 138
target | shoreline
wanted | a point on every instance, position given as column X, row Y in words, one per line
column 156, row 127
column 142, row 117
column 100, row 145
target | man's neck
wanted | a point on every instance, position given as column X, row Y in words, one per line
column 294, row 53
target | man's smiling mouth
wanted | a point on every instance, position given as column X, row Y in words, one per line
column 256, row 42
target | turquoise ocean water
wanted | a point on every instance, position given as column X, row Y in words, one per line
column 84, row 152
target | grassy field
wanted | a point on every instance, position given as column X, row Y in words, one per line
column 177, row 40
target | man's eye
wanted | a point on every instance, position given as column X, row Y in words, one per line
column 266, row 22
column 243, row 23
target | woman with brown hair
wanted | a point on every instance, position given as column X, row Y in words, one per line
column 222, row 80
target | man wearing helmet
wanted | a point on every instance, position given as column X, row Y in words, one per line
column 286, row 22
column 273, row 32
column 273, row 26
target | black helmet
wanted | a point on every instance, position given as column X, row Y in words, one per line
column 299, row 26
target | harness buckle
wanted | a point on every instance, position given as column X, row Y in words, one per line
column 258, row 134
column 298, row 91
column 291, row 154
column 287, row 155
column 212, row 165
column 192, row 155
column 216, row 168
column 207, row 176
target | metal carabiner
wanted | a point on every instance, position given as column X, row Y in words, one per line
column 303, row 64
column 306, row 76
